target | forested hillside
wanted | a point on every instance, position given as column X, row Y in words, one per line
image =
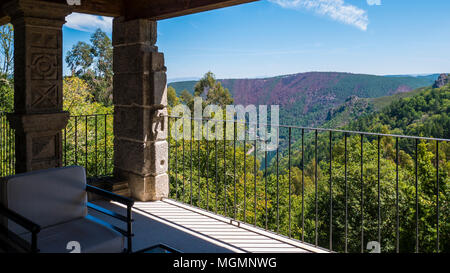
column 425, row 114
column 293, row 195
column 306, row 98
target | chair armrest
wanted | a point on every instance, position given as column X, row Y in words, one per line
column 23, row 222
column 19, row 219
column 111, row 196
column 118, row 198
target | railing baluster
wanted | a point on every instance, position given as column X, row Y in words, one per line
column 183, row 162
column 190, row 160
column 379, row 188
column 5, row 157
column 13, row 158
column 346, row 192
column 176, row 158
column 216, row 180
column 200, row 138
column 303, row 185
column 245, row 175
column 437, row 197
column 76, row 141
column 234, row 167
column 86, row 143
column 168, row 151
column 169, row 148
column 106, row 144
column 331, row 192
column 8, row 171
column 362, row 193
column 5, row 141
column 2, row 152
column 9, row 148
column 417, row 195
column 254, row 171
column 265, row 175
column 7, row 136
column 278, row 182
column 2, row 129
column 65, row 146
column 397, row 244
column 316, row 234
column 224, row 168
column 5, row 145
column 4, row 149
column 14, row 152
column 96, row 147
column 289, row 177
column 13, row 141
column 207, row 168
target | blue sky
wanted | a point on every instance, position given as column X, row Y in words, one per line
column 275, row 37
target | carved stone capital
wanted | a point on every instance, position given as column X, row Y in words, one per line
column 37, row 12
column 28, row 123
column 136, row 31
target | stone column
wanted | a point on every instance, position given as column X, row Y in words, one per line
column 38, row 118
column 140, row 98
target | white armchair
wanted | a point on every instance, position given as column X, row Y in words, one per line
column 51, row 207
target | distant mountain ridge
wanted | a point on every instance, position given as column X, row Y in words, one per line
column 305, row 99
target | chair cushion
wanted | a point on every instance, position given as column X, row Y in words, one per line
column 92, row 237
column 47, row 197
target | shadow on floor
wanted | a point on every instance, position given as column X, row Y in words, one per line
column 150, row 231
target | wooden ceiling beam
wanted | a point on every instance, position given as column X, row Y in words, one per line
column 111, row 8
column 145, row 9
column 164, row 9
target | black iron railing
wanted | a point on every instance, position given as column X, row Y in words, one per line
column 346, row 191
column 87, row 141
column 337, row 189
column 7, row 150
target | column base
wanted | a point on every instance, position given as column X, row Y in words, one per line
column 146, row 188
column 38, row 140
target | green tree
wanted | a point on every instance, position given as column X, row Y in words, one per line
column 213, row 91
column 187, row 98
column 80, row 59
column 6, row 68
column 7, row 49
column 94, row 64
column 172, row 98
column 6, row 95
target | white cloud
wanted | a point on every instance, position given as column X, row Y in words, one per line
column 88, row 23
column 336, row 9
column 374, row 2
